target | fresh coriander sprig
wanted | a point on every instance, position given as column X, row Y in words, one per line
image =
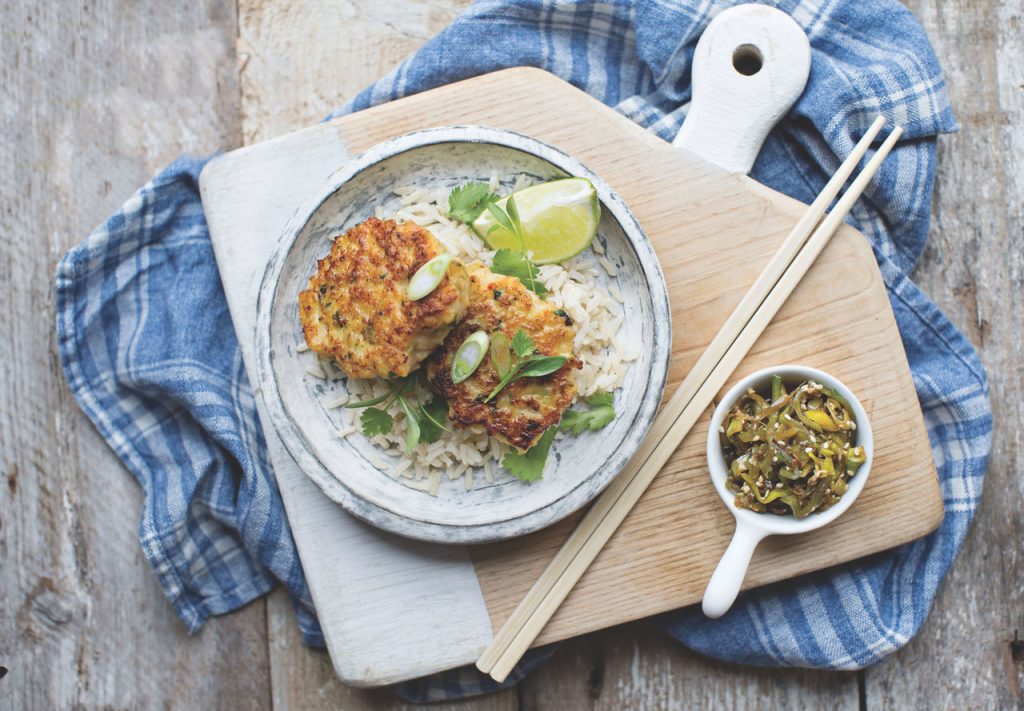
column 424, row 422
column 516, row 264
column 465, row 203
column 529, row 466
column 524, row 363
column 600, row 412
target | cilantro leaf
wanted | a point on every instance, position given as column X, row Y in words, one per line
column 512, row 263
column 376, row 421
column 466, row 202
column 522, row 344
column 530, row 466
column 601, row 412
column 432, row 418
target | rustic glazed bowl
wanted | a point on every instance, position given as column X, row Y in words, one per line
column 578, row 467
column 751, row 526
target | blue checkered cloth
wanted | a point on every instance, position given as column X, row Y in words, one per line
column 150, row 353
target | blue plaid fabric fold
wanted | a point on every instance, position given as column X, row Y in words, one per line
column 150, row 353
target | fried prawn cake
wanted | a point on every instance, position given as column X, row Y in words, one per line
column 357, row 309
column 525, row 408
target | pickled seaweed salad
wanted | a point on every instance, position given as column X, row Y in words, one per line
column 792, row 452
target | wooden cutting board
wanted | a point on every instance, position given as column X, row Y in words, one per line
column 394, row 609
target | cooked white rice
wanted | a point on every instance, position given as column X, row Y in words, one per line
column 573, row 287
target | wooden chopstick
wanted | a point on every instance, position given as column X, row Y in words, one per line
column 740, row 331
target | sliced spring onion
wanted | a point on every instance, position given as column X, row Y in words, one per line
column 501, row 353
column 469, row 356
column 429, row 276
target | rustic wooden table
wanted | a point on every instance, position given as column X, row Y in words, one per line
column 97, row 96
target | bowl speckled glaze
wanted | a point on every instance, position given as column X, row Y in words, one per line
column 578, row 468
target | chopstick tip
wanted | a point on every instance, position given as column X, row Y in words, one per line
column 890, row 140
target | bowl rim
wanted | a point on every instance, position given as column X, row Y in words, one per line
column 378, row 514
column 771, row 524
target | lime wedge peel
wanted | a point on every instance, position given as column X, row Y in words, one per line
column 559, row 220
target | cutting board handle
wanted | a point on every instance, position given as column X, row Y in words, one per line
column 750, row 66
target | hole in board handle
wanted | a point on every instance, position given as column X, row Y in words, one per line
column 747, row 60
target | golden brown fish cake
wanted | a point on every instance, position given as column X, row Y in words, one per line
column 524, row 409
column 357, row 309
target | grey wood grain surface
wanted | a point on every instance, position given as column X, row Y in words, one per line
column 98, row 96
column 973, row 267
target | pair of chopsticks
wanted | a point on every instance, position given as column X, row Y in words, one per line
column 743, row 327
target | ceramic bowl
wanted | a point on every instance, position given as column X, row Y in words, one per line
column 349, row 470
column 752, row 526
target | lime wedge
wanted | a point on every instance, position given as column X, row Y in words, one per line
column 559, row 220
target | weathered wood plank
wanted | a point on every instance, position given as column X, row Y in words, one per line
column 97, row 97
column 639, row 667
column 973, row 268
column 301, row 59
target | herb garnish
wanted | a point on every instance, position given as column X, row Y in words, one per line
column 469, row 356
column 530, row 466
column 429, row 276
column 424, row 422
column 522, row 268
column 376, row 421
column 467, row 202
column 601, row 411
column 524, row 362
column 501, row 353
column 432, row 417
column 516, row 264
